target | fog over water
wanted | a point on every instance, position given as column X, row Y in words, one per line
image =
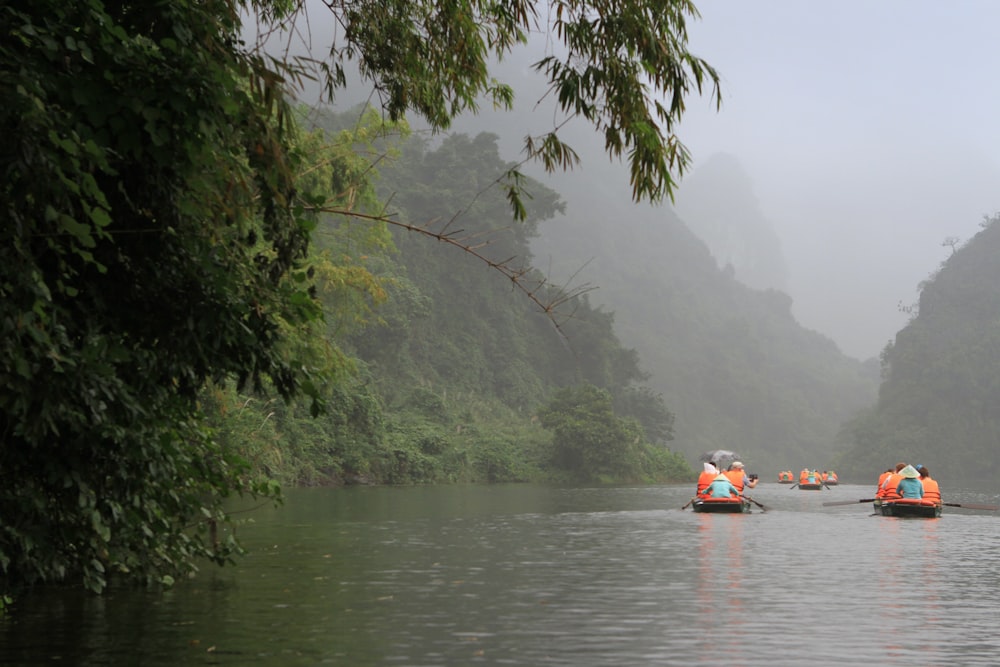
column 870, row 133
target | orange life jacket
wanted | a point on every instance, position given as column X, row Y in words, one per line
column 704, row 480
column 803, row 476
column 931, row 490
column 889, row 489
column 736, row 477
column 881, row 480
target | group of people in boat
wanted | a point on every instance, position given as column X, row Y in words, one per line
column 728, row 483
column 908, row 481
column 807, row 476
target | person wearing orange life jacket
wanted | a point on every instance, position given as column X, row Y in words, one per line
column 831, row 477
column 804, row 476
column 738, row 476
column 881, row 480
column 932, row 491
column 888, row 488
column 706, row 478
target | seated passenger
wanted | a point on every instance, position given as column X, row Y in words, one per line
column 721, row 487
column 932, row 491
column 909, row 485
column 706, row 477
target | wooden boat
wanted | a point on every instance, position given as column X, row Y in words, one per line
column 908, row 507
column 721, row 505
column 811, row 486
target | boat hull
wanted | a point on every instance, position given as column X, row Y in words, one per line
column 908, row 508
column 810, row 487
column 721, row 505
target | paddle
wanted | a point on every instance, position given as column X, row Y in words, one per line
column 689, row 502
column 793, row 486
column 973, row 506
column 760, row 505
column 850, row 502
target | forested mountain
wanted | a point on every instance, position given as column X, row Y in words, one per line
column 939, row 403
column 470, row 378
column 732, row 363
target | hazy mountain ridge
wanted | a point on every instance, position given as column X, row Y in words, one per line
column 731, row 361
column 938, row 401
column 717, row 202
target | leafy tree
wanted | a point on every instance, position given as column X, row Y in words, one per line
column 591, row 442
column 155, row 235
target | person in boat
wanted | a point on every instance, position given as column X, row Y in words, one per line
column 804, row 476
column 738, row 476
column 831, row 477
column 909, row 485
column 722, row 487
column 707, row 476
column 888, row 488
column 932, row 491
column 812, row 477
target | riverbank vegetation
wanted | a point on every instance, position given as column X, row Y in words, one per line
column 182, row 283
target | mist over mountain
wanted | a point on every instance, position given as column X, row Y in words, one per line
column 731, row 361
column 717, row 201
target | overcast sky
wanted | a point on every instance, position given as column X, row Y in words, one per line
column 871, row 130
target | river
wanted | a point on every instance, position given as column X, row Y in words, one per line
column 534, row 575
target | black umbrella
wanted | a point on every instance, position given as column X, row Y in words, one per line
column 721, row 457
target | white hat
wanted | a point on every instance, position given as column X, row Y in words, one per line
column 737, row 464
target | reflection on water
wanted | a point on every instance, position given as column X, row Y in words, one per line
column 518, row 575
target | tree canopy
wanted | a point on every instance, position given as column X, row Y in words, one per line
column 156, row 233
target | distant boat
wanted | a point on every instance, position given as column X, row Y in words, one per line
column 908, row 507
column 722, row 505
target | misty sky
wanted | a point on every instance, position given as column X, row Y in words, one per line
column 871, row 131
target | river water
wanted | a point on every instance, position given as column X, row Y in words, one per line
column 533, row 575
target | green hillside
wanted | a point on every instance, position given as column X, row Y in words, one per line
column 938, row 403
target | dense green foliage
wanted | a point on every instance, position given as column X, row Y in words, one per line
column 146, row 245
column 941, row 377
column 455, row 362
column 156, row 225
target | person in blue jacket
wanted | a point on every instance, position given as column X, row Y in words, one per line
column 910, row 486
column 721, row 487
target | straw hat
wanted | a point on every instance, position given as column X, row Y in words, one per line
column 909, row 471
column 722, row 477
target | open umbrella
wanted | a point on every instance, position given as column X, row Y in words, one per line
column 721, row 457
